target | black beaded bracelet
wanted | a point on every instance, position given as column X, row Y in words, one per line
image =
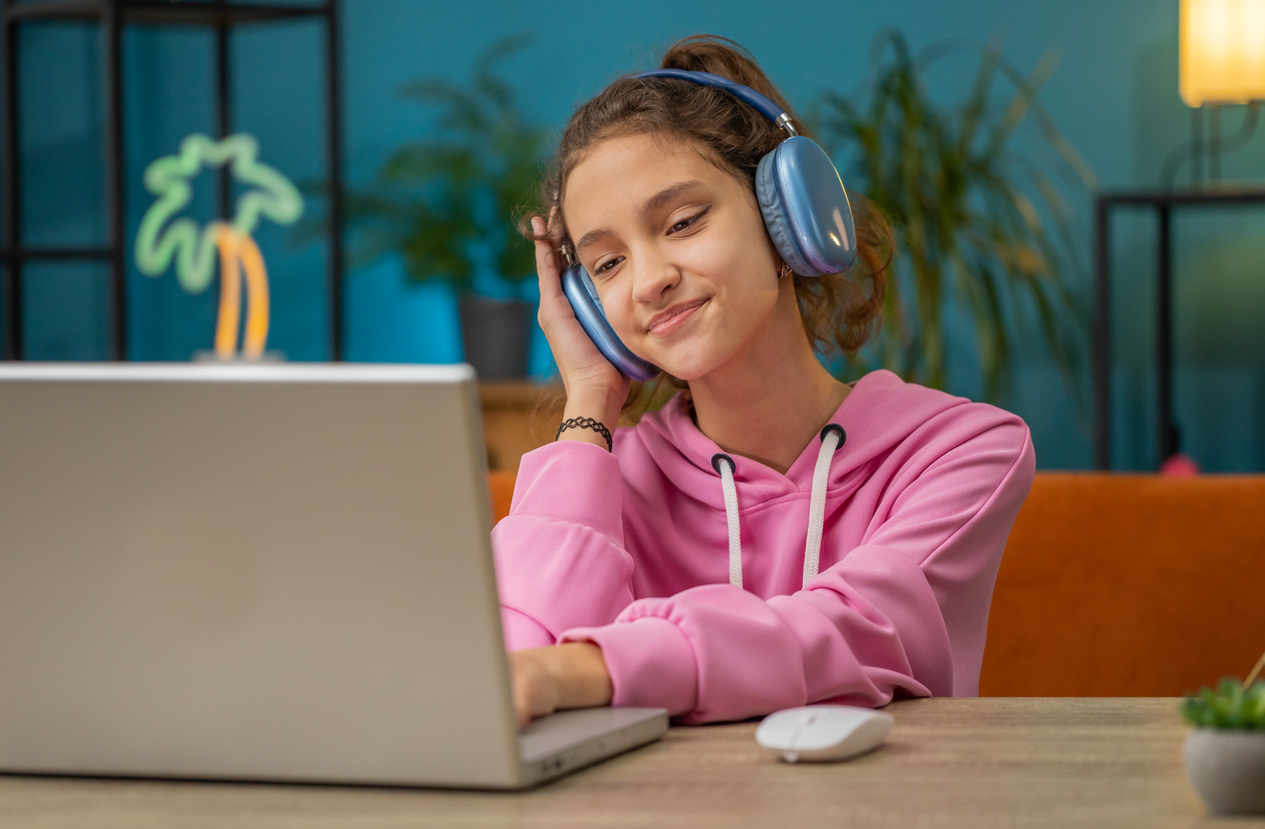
column 586, row 423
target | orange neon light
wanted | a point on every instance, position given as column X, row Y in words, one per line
column 239, row 252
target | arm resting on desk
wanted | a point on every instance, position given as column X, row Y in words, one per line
column 903, row 613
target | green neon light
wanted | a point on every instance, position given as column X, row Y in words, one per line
column 271, row 195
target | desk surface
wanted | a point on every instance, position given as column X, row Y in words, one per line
column 948, row 762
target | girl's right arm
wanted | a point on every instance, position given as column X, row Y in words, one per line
column 560, row 556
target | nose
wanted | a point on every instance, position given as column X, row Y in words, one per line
column 653, row 276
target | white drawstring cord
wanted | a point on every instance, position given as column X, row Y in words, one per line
column 831, row 438
column 725, row 466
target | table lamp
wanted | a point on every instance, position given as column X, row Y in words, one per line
column 1221, row 61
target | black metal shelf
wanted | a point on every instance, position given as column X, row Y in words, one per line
column 161, row 12
column 1163, row 202
column 57, row 253
column 112, row 16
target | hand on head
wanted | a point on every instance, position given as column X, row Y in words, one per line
column 593, row 385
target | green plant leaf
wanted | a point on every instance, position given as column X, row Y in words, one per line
column 972, row 220
column 1230, row 706
column 445, row 205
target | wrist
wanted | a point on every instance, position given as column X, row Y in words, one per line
column 598, row 403
column 580, row 675
column 586, row 424
column 601, row 406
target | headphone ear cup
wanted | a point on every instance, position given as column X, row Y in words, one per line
column 805, row 208
column 776, row 222
column 578, row 288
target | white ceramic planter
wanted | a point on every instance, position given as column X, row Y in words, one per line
column 1227, row 768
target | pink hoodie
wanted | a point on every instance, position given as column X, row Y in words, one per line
column 632, row 550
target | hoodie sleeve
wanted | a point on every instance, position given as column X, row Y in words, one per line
column 564, row 529
column 905, row 612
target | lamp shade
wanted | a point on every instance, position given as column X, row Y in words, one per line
column 1222, row 51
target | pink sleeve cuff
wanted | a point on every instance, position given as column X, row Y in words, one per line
column 522, row 631
column 651, row 663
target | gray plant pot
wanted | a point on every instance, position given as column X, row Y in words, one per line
column 496, row 334
column 1227, row 768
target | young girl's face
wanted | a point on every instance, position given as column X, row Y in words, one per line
column 678, row 253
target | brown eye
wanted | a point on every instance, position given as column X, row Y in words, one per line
column 685, row 223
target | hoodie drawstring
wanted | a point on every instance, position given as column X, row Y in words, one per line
column 724, row 465
column 832, row 439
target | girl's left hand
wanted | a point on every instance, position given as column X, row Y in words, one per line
column 552, row 678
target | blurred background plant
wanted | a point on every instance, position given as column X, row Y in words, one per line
column 977, row 221
column 447, row 205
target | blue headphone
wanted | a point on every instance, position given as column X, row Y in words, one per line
column 801, row 197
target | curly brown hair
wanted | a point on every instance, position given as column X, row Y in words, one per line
column 840, row 312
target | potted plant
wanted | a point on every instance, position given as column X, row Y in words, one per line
column 447, row 206
column 1224, row 755
column 980, row 224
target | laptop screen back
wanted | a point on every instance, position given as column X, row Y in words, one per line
column 267, row 572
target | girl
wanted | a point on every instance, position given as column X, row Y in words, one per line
column 771, row 537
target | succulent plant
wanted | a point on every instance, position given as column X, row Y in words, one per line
column 1230, row 706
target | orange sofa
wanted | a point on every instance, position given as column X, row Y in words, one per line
column 1129, row 585
column 1119, row 585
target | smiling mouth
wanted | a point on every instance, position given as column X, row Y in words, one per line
column 667, row 321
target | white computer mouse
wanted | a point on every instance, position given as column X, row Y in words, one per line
column 821, row 733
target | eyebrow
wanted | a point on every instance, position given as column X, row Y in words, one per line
column 655, row 202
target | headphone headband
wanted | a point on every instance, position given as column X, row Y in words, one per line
column 766, row 105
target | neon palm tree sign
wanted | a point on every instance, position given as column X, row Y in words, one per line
column 162, row 238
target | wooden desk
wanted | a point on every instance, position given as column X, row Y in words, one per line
column 948, row 762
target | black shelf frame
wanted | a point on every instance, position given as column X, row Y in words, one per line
column 1163, row 203
column 113, row 15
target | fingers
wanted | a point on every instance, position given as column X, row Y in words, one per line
column 522, row 704
column 573, row 350
column 554, row 309
column 520, row 690
column 555, row 221
column 534, row 691
column 548, row 263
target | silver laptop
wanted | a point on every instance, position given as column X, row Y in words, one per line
column 261, row 572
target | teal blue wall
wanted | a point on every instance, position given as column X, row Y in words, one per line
column 1114, row 96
